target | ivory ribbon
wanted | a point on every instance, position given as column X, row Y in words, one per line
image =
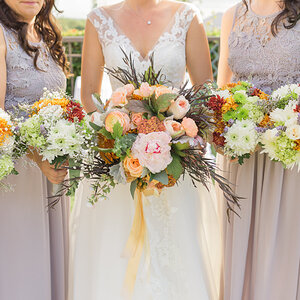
column 136, row 243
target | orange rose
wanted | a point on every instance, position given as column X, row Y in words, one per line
column 117, row 116
column 133, row 167
column 190, row 127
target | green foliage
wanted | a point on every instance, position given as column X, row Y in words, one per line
column 123, row 145
column 162, row 177
column 71, row 25
column 175, row 168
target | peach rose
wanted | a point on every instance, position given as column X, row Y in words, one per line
column 129, row 89
column 133, row 167
column 117, row 116
column 144, row 91
column 160, row 90
column 190, row 127
column 174, row 128
column 119, row 97
column 179, row 108
column 136, row 118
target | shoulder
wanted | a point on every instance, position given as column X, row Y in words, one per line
column 2, row 38
column 230, row 16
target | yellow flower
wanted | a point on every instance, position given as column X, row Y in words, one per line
column 297, row 147
column 37, row 106
column 5, row 131
column 229, row 104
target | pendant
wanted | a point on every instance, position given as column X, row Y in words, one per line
column 149, row 22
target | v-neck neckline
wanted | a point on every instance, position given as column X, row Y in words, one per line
column 167, row 29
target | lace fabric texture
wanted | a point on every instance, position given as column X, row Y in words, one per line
column 256, row 55
column 169, row 50
column 25, row 83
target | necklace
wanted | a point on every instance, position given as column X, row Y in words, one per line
column 148, row 22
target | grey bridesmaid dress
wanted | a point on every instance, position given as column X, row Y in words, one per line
column 33, row 239
column 262, row 247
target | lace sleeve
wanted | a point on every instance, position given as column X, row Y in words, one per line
column 190, row 12
column 103, row 25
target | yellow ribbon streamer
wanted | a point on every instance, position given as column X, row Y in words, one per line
column 135, row 245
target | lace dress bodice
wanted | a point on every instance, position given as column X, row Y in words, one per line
column 25, row 83
column 256, row 55
column 169, row 50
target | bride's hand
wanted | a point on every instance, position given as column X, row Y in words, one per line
column 55, row 176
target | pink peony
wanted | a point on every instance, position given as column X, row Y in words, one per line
column 153, row 150
column 119, row 97
column 179, row 108
column 174, row 128
column 136, row 118
column 190, row 127
column 117, row 116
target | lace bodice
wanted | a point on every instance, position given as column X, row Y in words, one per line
column 169, row 50
column 256, row 55
column 25, row 84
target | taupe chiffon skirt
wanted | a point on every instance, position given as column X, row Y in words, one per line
column 33, row 240
column 262, row 246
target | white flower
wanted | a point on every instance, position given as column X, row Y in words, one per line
column 285, row 90
column 267, row 139
column 283, row 115
column 293, row 132
column 53, row 112
column 98, row 118
column 4, row 115
column 179, row 108
column 241, row 138
column 222, row 93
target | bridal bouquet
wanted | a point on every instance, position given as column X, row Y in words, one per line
column 11, row 147
column 58, row 129
column 282, row 141
column 150, row 135
column 240, row 116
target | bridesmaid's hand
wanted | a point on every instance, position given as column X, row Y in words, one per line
column 55, row 176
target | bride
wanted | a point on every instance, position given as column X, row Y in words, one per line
column 182, row 229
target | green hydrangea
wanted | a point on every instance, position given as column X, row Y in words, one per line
column 6, row 166
column 284, row 150
column 31, row 132
column 255, row 113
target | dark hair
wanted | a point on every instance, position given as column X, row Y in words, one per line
column 290, row 12
column 46, row 27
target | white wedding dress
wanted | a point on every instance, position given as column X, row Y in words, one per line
column 182, row 224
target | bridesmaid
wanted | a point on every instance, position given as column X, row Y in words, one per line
column 33, row 251
column 260, row 41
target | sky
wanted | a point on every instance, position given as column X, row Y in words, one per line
column 80, row 8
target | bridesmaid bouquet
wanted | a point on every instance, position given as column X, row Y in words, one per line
column 11, row 147
column 150, row 135
column 58, row 129
column 240, row 118
column 282, row 141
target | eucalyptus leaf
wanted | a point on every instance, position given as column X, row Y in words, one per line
column 106, row 133
column 133, row 187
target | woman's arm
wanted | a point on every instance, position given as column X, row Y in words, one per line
column 198, row 53
column 92, row 67
column 2, row 68
column 224, row 72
